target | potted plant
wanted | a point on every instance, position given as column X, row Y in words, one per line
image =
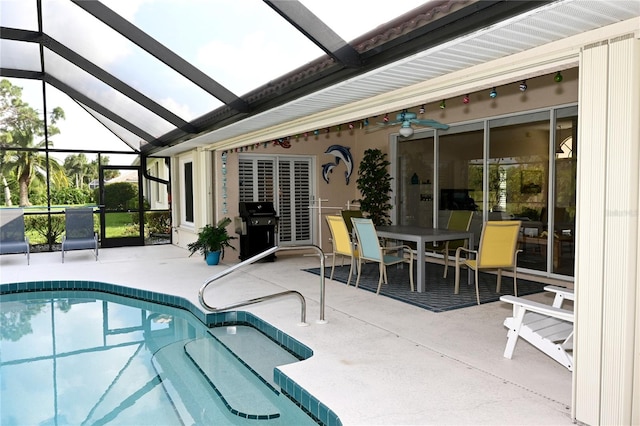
column 212, row 241
column 374, row 183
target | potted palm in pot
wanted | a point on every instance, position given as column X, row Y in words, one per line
column 212, row 241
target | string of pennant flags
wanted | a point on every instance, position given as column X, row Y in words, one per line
column 287, row 141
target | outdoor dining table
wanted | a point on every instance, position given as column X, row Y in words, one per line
column 420, row 236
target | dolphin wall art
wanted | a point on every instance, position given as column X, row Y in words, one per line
column 326, row 169
column 341, row 153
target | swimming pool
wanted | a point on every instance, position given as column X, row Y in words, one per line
column 90, row 357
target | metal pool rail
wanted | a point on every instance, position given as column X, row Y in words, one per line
column 270, row 296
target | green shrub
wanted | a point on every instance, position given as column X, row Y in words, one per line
column 120, row 196
column 154, row 222
column 71, row 196
column 40, row 225
column 158, row 222
column 37, row 196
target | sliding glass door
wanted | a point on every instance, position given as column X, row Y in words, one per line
column 520, row 167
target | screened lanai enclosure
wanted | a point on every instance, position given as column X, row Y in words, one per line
column 87, row 95
column 100, row 96
column 90, row 100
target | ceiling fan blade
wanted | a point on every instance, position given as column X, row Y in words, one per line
column 431, row 123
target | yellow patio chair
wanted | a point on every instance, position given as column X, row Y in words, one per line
column 370, row 249
column 497, row 250
column 459, row 220
column 341, row 241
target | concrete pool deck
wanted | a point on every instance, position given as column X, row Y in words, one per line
column 377, row 361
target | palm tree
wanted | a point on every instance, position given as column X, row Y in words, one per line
column 78, row 168
column 31, row 165
column 20, row 125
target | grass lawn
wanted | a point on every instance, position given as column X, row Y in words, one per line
column 120, row 225
column 117, row 225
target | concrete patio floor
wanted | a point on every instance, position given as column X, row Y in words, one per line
column 377, row 361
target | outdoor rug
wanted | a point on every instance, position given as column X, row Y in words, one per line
column 438, row 295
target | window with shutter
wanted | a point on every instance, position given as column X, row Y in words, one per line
column 290, row 177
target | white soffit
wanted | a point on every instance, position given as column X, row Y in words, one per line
column 544, row 25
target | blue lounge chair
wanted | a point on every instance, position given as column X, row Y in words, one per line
column 12, row 237
column 79, row 233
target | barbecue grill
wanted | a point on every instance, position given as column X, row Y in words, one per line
column 257, row 228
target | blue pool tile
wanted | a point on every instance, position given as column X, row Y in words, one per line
column 333, row 419
column 323, row 414
column 305, row 399
column 314, row 406
column 297, row 392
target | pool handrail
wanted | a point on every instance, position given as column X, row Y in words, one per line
column 255, row 258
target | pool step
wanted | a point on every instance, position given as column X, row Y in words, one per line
column 243, row 392
column 192, row 396
column 255, row 349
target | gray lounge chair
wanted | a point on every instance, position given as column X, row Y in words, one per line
column 12, row 237
column 79, row 233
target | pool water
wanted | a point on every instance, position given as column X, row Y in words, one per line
column 95, row 358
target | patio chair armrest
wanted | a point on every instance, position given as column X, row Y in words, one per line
column 393, row 248
column 561, row 294
column 461, row 249
column 403, row 248
column 540, row 308
column 567, row 293
column 390, row 248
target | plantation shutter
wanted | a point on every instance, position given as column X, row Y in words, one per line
column 294, row 177
column 285, row 226
column 256, row 179
column 261, row 177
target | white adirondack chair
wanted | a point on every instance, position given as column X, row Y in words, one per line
column 548, row 328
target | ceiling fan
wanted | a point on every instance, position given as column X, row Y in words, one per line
column 406, row 119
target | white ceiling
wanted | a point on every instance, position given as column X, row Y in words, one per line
column 547, row 24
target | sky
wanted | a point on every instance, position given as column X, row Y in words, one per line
column 242, row 44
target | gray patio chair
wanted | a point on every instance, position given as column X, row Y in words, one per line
column 12, row 237
column 79, row 233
